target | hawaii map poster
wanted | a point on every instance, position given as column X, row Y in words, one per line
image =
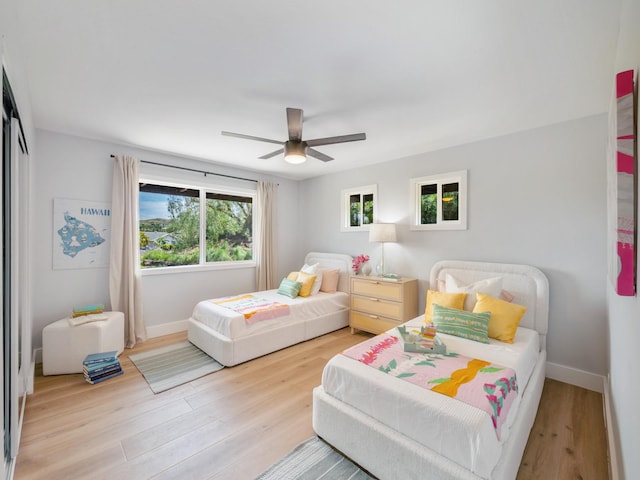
column 80, row 233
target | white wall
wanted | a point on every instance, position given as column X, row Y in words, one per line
column 536, row 197
column 73, row 167
column 11, row 50
column 624, row 312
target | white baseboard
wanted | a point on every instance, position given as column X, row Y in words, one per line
column 167, row 328
column 614, row 469
column 573, row 376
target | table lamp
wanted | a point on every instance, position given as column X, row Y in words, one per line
column 382, row 232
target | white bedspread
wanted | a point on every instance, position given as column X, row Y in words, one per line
column 233, row 325
column 458, row 431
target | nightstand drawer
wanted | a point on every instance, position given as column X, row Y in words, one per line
column 376, row 306
column 371, row 323
column 377, row 288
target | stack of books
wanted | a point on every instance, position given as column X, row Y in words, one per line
column 98, row 367
column 82, row 310
column 428, row 335
column 87, row 313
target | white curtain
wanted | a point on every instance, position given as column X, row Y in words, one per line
column 125, row 282
column 266, row 268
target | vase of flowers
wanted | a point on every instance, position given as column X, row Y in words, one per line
column 359, row 262
column 365, row 268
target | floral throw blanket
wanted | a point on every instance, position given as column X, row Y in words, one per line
column 253, row 308
column 486, row 386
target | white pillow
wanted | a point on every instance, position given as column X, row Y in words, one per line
column 488, row 286
column 314, row 270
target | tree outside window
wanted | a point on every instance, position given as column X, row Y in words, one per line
column 440, row 202
column 171, row 233
column 358, row 208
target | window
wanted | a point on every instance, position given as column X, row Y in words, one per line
column 359, row 208
column 229, row 227
column 439, row 202
column 185, row 225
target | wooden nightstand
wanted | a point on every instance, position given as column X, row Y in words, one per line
column 378, row 304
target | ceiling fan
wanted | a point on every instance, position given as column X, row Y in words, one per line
column 295, row 149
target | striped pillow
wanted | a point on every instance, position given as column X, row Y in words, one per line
column 469, row 325
column 290, row 288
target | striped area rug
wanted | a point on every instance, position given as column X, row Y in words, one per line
column 314, row 460
column 167, row 367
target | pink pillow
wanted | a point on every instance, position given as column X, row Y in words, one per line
column 330, row 281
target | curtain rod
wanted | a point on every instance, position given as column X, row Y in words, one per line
column 196, row 170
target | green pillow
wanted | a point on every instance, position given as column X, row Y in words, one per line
column 461, row 323
column 290, row 288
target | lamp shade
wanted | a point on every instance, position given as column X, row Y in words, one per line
column 382, row 232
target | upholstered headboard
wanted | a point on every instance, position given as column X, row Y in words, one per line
column 330, row 261
column 528, row 285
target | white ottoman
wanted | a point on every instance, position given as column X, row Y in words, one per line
column 64, row 347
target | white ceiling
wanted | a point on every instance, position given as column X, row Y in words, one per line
column 415, row 75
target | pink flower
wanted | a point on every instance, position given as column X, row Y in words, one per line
column 357, row 262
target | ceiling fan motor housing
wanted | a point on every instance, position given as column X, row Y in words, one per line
column 295, row 152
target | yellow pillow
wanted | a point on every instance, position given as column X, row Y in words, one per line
column 293, row 276
column 307, row 283
column 444, row 299
column 505, row 316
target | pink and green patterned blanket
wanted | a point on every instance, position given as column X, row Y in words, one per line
column 253, row 308
column 489, row 387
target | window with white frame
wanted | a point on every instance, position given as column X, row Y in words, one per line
column 183, row 225
column 439, row 202
column 359, row 208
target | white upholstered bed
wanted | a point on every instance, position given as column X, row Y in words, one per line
column 395, row 429
column 227, row 337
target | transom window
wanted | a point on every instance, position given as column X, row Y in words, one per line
column 182, row 225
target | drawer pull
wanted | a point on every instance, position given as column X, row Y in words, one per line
column 373, row 316
column 374, row 299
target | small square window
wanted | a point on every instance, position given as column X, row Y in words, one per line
column 359, row 208
column 439, row 202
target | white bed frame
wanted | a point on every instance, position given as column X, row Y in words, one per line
column 231, row 352
column 387, row 453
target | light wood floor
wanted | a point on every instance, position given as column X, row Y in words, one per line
column 238, row 421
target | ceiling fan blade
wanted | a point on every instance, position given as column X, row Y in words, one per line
column 319, row 155
column 251, row 137
column 272, row 154
column 339, row 139
column 294, row 124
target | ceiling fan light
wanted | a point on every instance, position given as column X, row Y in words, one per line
column 295, row 158
column 295, row 152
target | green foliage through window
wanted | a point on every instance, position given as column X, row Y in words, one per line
column 358, row 207
column 170, row 230
column 440, row 202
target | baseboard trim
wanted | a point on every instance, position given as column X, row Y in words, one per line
column 167, row 328
column 614, row 469
column 573, row 376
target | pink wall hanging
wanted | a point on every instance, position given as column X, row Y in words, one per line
column 624, row 257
